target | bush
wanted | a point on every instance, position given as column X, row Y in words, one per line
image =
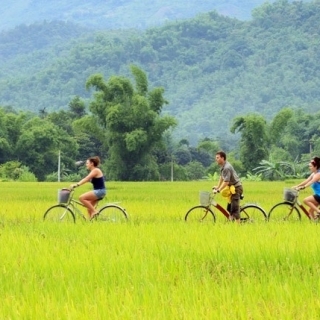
column 27, row 176
column 75, row 177
column 179, row 172
column 195, row 170
column 52, row 177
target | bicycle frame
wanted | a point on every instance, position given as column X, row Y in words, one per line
column 219, row 207
column 224, row 211
column 248, row 212
column 73, row 205
column 288, row 209
column 298, row 204
column 69, row 208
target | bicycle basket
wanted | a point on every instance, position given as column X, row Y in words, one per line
column 63, row 195
column 204, row 198
column 290, row 195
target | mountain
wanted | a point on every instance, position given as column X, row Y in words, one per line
column 116, row 14
column 213, row 67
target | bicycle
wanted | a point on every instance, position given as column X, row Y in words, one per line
column 68, row 208
column 289, row 209
column 204, row 212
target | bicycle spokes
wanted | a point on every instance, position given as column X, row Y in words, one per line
column 252, row 213
column 200, row 214
column 112, row 213
column 59, row 213
column 284, row 211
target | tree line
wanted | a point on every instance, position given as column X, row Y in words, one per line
column 125, row 125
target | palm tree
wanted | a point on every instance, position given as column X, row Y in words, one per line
column 275, row 170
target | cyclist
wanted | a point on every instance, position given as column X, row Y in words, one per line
column 313, row 180
column 90, row 198
column 228, row 178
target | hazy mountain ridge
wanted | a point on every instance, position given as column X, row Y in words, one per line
column 115, row 14
column 23, row 39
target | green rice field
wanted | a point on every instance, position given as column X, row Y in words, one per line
column 156, row 265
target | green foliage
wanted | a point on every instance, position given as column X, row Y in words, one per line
column 77, row 108
column 27, row 176
column 10, row 170
column 195, row 170
column 212, row 177
column 252, row 177
column 254, row 139
column 296, row 134
column 14, row 170
column 281, row 170
column 90, row 136
column 279, row 123
column 183, row 155
column 141, row 81
column 52, row 177
column 73, row 177
column 172, row 171
column 213, row 68
column 134, row 123
column 39, row 144
column 260, row 76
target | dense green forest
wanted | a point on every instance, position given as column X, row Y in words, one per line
column 213, row 68
column 158, row 104
column 125, row 126
column 115, row 14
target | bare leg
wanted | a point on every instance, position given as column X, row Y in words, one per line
column 89, row 200
column 312, row 204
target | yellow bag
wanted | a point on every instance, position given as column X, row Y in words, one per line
column 227, row 192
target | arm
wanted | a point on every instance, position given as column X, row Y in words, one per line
column 221, row 185
column 311, row 180
column 307, row 182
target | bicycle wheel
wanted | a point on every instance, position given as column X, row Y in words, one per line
column 284, row 211
column 200, row 214
column 112, row 213
column 252, row 213
column 59, row 213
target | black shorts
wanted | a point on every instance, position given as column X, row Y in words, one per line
column 317, row 198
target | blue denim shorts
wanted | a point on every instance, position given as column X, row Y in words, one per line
column 100, row 193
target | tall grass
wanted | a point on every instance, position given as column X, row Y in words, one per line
column 156, row 266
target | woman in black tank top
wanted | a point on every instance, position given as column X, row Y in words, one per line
column 90, row 198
